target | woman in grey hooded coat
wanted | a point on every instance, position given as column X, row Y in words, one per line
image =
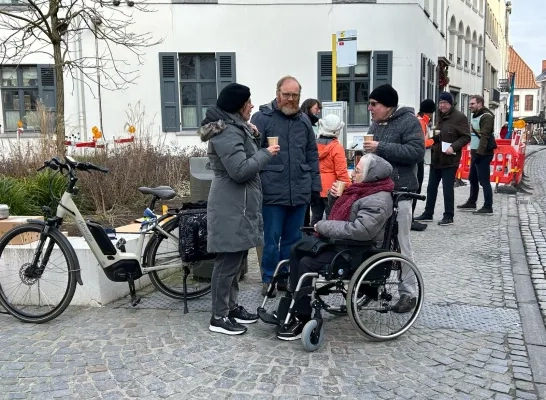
column 234, row 218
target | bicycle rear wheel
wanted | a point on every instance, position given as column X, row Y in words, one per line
column 42, row 292
column 169, row 281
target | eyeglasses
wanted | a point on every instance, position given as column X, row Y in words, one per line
column 290, row 95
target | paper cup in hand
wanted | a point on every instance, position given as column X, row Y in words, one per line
column 368, row 138
column 340, row 186
column 273, row 140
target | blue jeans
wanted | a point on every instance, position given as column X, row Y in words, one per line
column 281, row 232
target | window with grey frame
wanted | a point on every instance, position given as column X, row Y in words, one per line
column 189, row 85
column 22, row 88
column 355, row 83
column 198, row 90
column 423, row 80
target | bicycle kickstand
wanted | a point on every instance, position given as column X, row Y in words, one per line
column 134, row 298
column 186, row 273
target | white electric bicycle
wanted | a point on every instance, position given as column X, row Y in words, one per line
column 39, row 268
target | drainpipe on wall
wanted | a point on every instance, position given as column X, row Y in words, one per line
column 82, row 111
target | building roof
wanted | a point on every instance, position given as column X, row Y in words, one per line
column 525, row 79
column 541, row 77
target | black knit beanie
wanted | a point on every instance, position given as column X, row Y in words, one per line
column 386, row 95
column 233, row 97
column 446, row 96
column 427, row 107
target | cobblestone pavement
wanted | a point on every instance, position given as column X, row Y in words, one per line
column 531, row 210
column 467, row 343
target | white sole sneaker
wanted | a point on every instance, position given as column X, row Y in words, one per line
column 289, row 339
column 246, row 321
column 219, row 329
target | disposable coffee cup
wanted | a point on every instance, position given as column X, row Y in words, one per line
column 340, row 186
column 273, row 140
column 368, row 138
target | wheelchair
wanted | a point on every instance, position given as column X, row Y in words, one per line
column 364, row 287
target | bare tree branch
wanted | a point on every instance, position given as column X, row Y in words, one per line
column 53, row 27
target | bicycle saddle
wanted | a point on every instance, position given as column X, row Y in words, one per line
column 161, row 192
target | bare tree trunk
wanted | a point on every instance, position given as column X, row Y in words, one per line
column 59, row 99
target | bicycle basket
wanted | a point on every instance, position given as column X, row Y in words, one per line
column 192, row 232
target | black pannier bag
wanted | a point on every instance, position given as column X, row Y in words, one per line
column 192, row 232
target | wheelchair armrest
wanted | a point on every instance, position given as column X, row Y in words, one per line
column 352, row 243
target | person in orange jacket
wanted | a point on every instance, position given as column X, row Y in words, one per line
column 426, row 111
column 332, row 163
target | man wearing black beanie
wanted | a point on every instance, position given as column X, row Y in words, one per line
column 398, row 138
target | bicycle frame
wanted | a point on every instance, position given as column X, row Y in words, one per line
column 68, row 207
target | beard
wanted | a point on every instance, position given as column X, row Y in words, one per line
column 289, row 110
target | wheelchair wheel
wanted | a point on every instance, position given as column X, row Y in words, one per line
column 374, row 290
column 310, row 338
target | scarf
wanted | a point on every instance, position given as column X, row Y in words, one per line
column 341, row 211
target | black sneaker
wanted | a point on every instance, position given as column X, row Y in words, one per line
column 467, row 206
column 484, row 211
column 404, row 305
column 226, row 325
column 242, row 316
column 446, row 221
column 417, row 226
column 292, row 331
column 423, row 218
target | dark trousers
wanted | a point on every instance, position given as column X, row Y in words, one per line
column 447, row 177
column 420, row 178
column 307, row 219
column 319, row 209
column 281, row 231
column 301, row 263
column 225, row 282
column 479, row 176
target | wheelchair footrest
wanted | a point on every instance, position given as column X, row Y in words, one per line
column 267, row 317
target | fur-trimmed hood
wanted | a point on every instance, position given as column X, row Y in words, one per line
column 211, row 129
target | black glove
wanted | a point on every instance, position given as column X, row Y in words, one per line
column 315, row 198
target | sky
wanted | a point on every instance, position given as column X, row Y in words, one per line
column 528, row 31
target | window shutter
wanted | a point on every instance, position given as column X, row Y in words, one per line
column 324, row 73
column 169, row 86
column 382, row 68
column 46, row 86
column 423, row 76
column 225, row 70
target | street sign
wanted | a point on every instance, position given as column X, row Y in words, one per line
column 346, row 48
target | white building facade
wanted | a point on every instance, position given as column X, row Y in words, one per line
column 466, row 46
column 495, row 71
column 208, row 44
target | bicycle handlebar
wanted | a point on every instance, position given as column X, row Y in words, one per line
column 70, row 165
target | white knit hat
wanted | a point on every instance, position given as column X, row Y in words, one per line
column 330, row 125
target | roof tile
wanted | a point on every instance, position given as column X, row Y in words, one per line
column 525, row 79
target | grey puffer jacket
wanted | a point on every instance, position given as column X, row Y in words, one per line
column 369, row 214
column 234, row 209
column 293, row 174
column 401, row 143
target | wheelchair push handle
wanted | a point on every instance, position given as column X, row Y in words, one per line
column 307, row 229
column 405, row 193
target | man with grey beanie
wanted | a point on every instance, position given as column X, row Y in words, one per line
column 398, row 138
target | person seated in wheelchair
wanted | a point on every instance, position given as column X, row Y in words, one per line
column 359, row 213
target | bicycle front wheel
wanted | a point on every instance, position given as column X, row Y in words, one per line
column 163, row 251
column 38, row 291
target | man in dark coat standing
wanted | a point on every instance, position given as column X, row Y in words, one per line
column 291, row 180
column 453, row 136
